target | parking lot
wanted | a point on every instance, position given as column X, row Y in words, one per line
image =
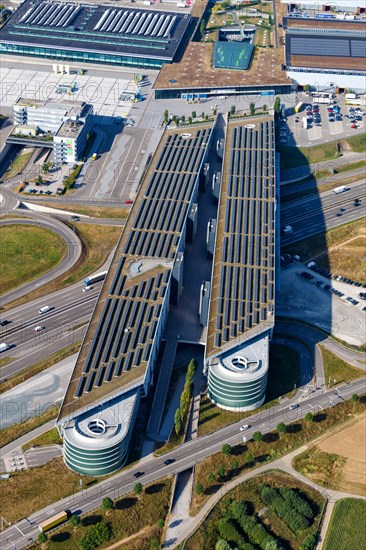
column 323, row 122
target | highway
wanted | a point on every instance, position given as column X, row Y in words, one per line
column 185, row 456
column 74, row 249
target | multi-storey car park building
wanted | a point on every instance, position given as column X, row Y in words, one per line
column 67, row 124
column 116, row 363
column 241, row 315
column 92, row 33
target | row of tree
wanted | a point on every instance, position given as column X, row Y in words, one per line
column 181, row 414
column 285, row 509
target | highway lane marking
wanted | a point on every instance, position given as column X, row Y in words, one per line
column 16, row 527
column 49, row 512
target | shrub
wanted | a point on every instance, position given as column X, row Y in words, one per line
column 226, row 449
column 237, row 510
column 137, row 489
column 228, row 531
column 222, row 545
column 95, row 536
column 355, row 397
column 281, row 427
column 257, row 436
column 221, row 471
column 268, row 495
column 297, row 502
column 211, row 478
column 309, row 543
column 107, row 504
column 74, row 520
column 309, row 416
column 194, row 114
column 199, row 489
column 42, row 537
column 235, row 464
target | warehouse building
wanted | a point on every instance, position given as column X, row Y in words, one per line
column 92, row 33
column 326, row 52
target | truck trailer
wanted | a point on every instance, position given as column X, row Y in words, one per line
column 95, row 278
column 340, row 189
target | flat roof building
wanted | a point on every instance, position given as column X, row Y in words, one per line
column 67, row 124
column 93, row 33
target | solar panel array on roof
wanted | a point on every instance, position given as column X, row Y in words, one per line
column 47, row 14
column 245, row 262
column 127, row 325
column 136, row 23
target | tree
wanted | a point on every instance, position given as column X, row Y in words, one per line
column 214, row 112
column 95, row 536
column 107, row 504
column 235, row 464
column 232, row 110
column 281, row 427
column 203, row 114
column 277, row 105
column 222, row 545
column 194, row 114
column 252, row 108
column 249, row 458
column 190, row 120
column 211, row 477
column 270, row 19
column 74, row 520
column 137, row 489
column 178, row 421
column 166, row 116
column 226, row 449
column 307, row 88
column 183, row 118
column 309, row 416
column 155, row 543
column 237, row 509
column 160, row 523
column 355, row 397
column 45, row 167
column 265, row 108
column 199, row 489
column 42, row 537
column 203, row 26
column 257, row 436
column 39, row 180
column 221, row 471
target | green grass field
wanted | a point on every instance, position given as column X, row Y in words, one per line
column 336, row 370
column 347, row 528
column 292, row 157
column 28, row 252
column 18, row 164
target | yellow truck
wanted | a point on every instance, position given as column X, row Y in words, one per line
column 52, row 522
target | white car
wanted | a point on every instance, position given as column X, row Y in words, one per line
column 244, row 428
column 38, row 328
column 87, row 288
column 293, row 406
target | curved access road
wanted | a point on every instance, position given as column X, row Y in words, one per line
column 74, row 249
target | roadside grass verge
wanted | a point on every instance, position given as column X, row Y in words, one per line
column 273, row 445
column 31, row 490
column 51, row 437
column 27, row 253
column 327, row 466
column 249, row 492
column 331, row 251
column 349, row 513
column 5, row 361
column 39, row 367
column 18, row 164
column 292, row 157
column 284, row 374
column 7, row 435
column 120, row 213
column 131, row 514
column 336, row 370
column 98, row 242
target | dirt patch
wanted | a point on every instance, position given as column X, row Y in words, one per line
column 351, row 444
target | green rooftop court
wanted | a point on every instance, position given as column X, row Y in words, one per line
column 232, row 55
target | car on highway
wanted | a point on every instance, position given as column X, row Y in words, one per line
column 169, row 461
column 357, row 202
column 38, row 328
column 87, row 288
column 4, row 322
column 245, row 427
column 293, row 406
column 75, row 218
column 138, row 474
column 128, row 202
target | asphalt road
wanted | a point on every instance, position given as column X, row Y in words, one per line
column 74, row 249
column 21, row 533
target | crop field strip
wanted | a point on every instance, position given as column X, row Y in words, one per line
column 243, row 280
column 120, row 337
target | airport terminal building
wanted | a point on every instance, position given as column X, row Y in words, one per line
column 116, row 364
column 93, row 33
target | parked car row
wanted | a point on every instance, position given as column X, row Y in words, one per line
column 336, row 277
